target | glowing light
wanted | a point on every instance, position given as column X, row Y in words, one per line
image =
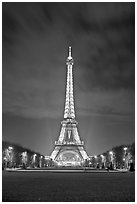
column 111, row 152
column 10, row 148
column 24, row 154
column 48, row 157
column 125, row 148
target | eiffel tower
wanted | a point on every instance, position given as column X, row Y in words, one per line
column 69, row 149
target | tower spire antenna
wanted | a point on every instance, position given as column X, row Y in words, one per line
column 69, row 51
column 69, row 59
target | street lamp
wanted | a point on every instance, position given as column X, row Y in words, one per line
column 111, row 159
column 95, row 157
column 10, row 155
column 101, row 155
column 125, row 156
column 125, row 149
column 24, row 159
column 103, row 160
column 34, row 160
column 111, row 153
column 40, row 161
column 10, row 148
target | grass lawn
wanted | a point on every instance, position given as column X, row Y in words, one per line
column 64, row 187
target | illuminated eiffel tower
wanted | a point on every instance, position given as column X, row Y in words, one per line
column 69, row 149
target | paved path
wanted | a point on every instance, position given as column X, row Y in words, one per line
column 66, row 170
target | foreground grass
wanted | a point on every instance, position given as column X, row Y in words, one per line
column 64, row 187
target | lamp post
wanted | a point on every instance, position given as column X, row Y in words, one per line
column 40, row 161
column 111, row 160
column 103, row 161
column 10, row 148
column 24, row 159
column 90, row 164
column 10, row 155
column 95, row 157
column 125, row 157
column 6, row 157
column 34, row 160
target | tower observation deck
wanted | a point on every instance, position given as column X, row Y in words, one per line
column 69, row 149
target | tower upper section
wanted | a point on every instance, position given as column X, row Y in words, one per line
column 70, row 60
column 69, row 103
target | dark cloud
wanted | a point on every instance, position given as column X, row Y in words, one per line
column 35, row 36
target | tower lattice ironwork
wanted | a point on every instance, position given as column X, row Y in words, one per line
column 69, row 149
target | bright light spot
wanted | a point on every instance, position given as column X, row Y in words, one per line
column 125, row 148
column 110, row 152
column 24, row 154
column 47, row 157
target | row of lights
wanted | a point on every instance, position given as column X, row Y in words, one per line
column 24, row 154
column 111, row 153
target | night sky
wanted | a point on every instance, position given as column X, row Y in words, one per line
column 35, row 38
